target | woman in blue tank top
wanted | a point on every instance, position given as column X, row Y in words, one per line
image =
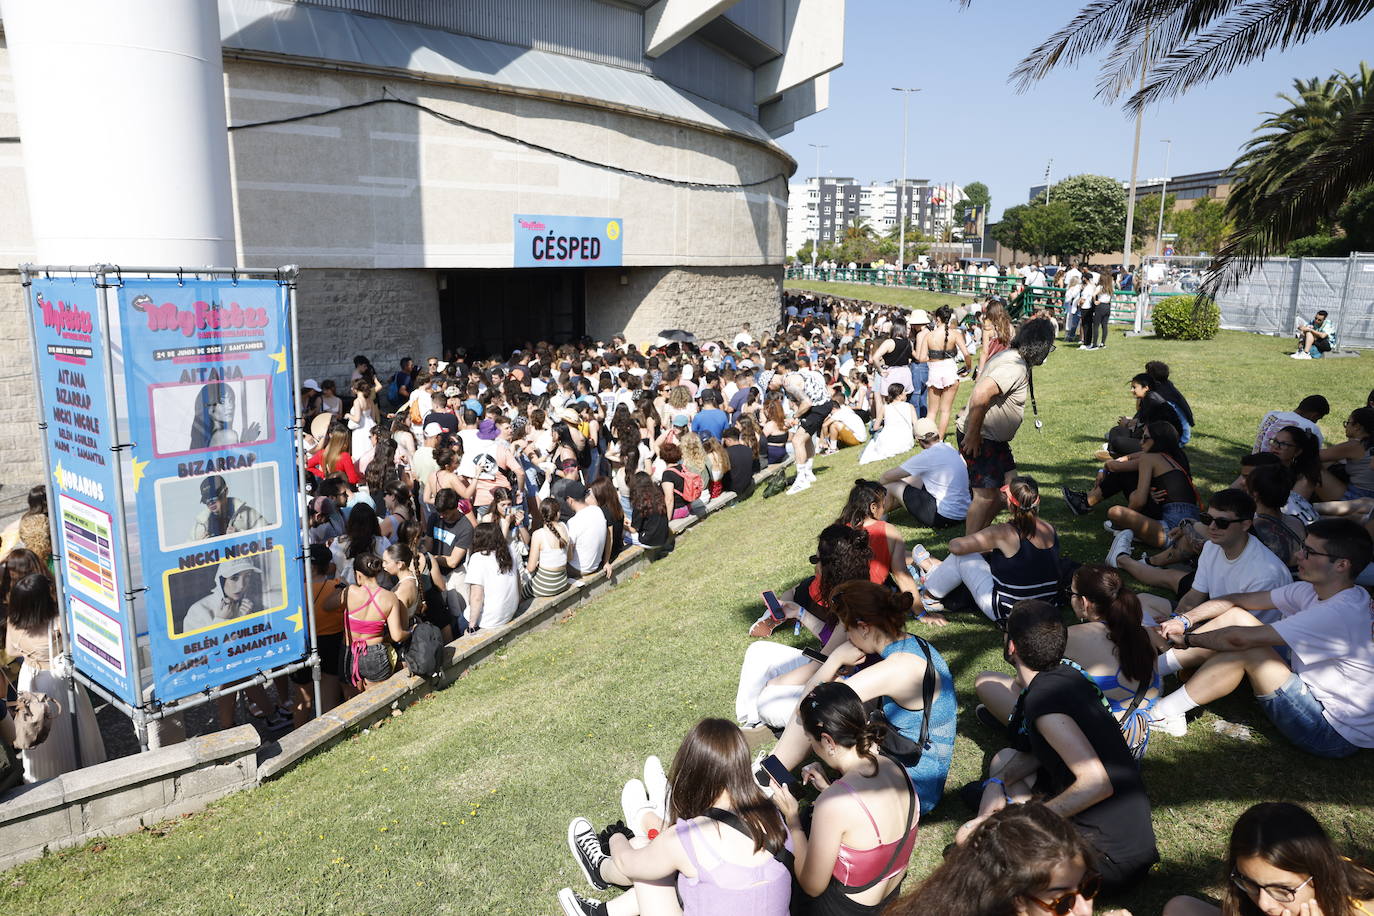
column 875, row 621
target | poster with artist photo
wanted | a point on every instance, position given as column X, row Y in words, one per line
column 228, row 590
column 192, row 417
column 214, row 507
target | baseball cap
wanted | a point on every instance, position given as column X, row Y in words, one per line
column 680, row 420
column 311, row 385
column 433, row 429
column 212, row 487
column 487, row 429
column 574, row 490
column 925, row 426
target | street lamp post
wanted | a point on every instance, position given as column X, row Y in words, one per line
column 1163, row 190
column 901, row 185
column 816, row 239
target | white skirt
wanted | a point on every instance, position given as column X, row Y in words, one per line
column 57, row 754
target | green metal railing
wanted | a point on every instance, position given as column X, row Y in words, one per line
column 930, row 280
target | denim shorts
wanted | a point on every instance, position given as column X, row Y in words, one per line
column 1298, row 714
column 1354, row 492
column 1174, row 514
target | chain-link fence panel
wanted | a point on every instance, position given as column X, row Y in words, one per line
column 1356, row 318
column 1263, row 300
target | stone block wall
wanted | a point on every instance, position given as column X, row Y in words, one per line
column 381, row 314
column 21, row 449
column 711, row 302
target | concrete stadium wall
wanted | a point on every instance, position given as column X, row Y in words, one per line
column 711, row 302
column 381, row 314
column 21, row 449
column 389, row 186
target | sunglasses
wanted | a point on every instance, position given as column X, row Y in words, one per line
column 1222, row 523
column 1279, row 893
column 1087, row 889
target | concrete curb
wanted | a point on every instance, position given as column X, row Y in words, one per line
column 132, row 793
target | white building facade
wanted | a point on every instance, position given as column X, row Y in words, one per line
column 822, row 209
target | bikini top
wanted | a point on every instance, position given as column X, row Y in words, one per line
column 1106, row 682
column 362, row 629
column 866, row 867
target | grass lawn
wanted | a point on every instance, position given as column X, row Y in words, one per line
column 911, row 298
column 461, row 804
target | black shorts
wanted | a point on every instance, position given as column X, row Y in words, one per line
column 811, row 420
column 331, row 656
column 921, row 506
column 1322, row 343
column 1185, row 585
column 989, row 468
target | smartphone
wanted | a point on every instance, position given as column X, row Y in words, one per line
column 772, row 769
column 774, row 606
column 816, row 655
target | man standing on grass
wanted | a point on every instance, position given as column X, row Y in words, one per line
column 993, row 414
column 1323, row 701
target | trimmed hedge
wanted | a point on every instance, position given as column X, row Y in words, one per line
column 1187, row 318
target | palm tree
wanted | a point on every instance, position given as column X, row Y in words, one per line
column 1173, row 45
column 1187, row 41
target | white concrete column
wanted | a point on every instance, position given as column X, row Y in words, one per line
column 122, row 125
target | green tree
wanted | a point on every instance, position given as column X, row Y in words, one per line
column 1097, row 215
column 976, row 195
column 1049, row 228
column 1193, row 41
column 858, row 244
column 1203, row 228
column 1010, row 230
column 916, row 244
column 1147, row 219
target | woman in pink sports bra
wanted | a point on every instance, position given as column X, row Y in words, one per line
column 864, row 825
column 374, row 621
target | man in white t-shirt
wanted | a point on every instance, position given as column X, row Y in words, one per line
column 1324, row 701
column 588, row 531
column 1233, row 561
column 933, row 483
column 743, row 338
column 495, row 605
column 1310, row 411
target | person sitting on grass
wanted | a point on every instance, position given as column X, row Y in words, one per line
column 863, row 827
column 1069, row 750
column 1281, row 860
column 1111, row 647
column 1324, row 701
column 843, row 426
column 1001, row 564
column 1309, row 413
column 874, row 620
column 1355, row 458
column 1169, row 391
column 1233, row 561
column 1163, row 496
column 721, row 850
column 932, row 485
column 1269, row 487
column 1126, row 438
column 773, row 676
column 493, row 582
column 1023, row 860
column 866, row 510
column 649, row 512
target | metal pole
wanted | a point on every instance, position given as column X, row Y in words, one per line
column 1163, row 192
column 901, row 185
column 116, row 451
column 1135, row 158
column 816, row 239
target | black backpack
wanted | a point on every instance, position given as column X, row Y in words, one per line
column 424, row 651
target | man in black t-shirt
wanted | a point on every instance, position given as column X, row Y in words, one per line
column 1069, row 751
column 442, row 413
column 740, row 479
column 451, row 531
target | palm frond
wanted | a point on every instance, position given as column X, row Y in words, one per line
column 1096, row 25
column 1246, row 35
column 1299, row 204
column 1171, row 26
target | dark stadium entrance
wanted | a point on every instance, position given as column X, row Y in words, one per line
column 494, row 311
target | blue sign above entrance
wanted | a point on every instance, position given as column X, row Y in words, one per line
column 567, row 241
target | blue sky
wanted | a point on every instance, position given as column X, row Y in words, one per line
column 968, row 124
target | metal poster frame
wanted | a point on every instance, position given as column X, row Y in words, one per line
column 107, row 278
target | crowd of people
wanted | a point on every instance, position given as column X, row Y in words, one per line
column 456, row 491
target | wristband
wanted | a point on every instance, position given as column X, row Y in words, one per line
column 992, row 779
column 1187, row 621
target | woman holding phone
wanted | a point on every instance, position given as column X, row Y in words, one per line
column 863, row 826
column 720, row 850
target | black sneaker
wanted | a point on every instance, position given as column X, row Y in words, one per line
column 1077, row 501
column 984, row 715
column 574, row 904
column 586, row 849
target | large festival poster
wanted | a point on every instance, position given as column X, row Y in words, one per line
column 69, row 337
column 214, row 479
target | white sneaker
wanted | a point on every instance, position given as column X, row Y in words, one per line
column 801, row 483
column 1301, row 354
column 1108, row 527
column 1121, row 544
column 635, row 804
column 656, row 784
column 1176, row 726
